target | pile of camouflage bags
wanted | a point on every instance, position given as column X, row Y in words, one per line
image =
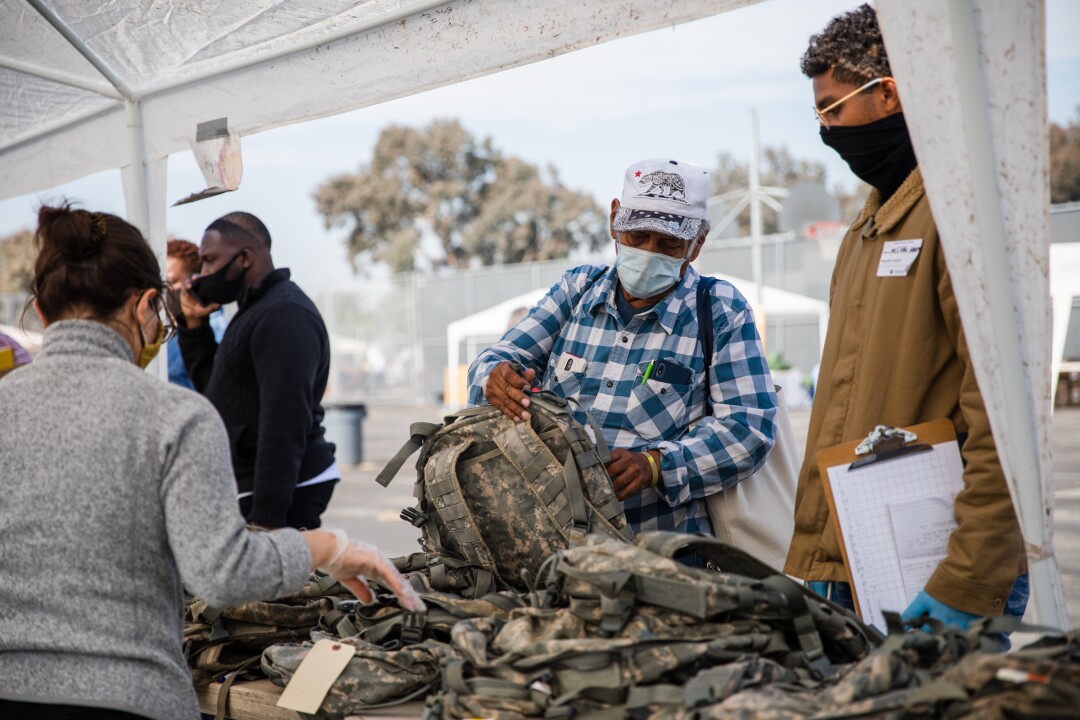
column 620, row 630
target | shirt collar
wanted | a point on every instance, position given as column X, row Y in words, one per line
column 84, row 338
column 252, row 293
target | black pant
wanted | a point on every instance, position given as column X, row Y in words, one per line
column 16, row 710
column 308, row 504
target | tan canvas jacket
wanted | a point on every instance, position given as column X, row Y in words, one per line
column 895, row 354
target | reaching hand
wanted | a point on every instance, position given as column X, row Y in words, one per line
column 505, row 389
column 631, row 471
column 353, row 562
column 925, row 605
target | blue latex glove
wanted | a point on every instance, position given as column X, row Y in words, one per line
column 923, row 604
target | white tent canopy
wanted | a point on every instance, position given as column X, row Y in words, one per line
column 493, row 321
column 86, row 87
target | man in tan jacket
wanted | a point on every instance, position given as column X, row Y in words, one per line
column 895, row 352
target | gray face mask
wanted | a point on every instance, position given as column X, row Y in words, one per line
column 645, row 274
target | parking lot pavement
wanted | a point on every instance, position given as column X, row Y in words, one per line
column 369, row 512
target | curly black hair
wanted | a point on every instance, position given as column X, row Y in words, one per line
column 850, row 45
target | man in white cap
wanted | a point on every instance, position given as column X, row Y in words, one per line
column 626, row 343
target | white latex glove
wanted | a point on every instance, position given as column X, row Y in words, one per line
column 353, row 561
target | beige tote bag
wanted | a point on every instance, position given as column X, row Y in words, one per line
column 758, row 514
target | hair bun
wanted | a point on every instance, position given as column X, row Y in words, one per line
column 72, row 233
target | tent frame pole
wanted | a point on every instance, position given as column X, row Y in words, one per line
column 1032, row 507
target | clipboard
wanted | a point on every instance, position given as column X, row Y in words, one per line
column 892, row 506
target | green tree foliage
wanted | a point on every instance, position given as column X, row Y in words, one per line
column 1065, row 161
column 17, row 262
column 481, row 205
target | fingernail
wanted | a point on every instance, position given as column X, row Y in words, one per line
column 525, row 402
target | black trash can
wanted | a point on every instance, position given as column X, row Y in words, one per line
column 344, row 425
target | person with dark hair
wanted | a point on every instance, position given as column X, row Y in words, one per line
column 181, row 264
column 267, row 376
column 895, row 352
column 118, row 491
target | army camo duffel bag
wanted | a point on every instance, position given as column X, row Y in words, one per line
column 499, row 497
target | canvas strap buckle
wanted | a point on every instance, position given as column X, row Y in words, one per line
column 412, row 629
column 414, row 517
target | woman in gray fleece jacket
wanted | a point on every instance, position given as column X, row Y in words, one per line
column 115, row 489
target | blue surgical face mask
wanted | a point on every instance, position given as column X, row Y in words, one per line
column 645, row 274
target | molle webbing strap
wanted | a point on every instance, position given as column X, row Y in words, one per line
column 557, row 405
column 662, row 592
column 444, row 493
column 809, row 641
column 578, row 510
column 534, row 461
column 419, row 432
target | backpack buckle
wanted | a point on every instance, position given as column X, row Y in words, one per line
column 414, row 517
column 412, row 631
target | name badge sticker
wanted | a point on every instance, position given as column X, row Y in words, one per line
column 897, row 257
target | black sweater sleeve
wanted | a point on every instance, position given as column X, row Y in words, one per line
column 198, row 348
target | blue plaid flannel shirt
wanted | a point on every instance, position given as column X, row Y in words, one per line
column 576, row 319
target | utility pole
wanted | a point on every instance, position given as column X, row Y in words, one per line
column 755, row 207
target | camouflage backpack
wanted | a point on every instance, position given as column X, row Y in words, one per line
column 397, row 654
column 624, row 630
column 949, row 674
column 498, row 497
column 219, row 641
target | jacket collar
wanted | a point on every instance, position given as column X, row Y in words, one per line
column 84, row 338
column 879, row 218
column 252, row 293
column 666, row 311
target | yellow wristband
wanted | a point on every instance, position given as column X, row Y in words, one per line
column 655, row 469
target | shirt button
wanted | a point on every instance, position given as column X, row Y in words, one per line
column 997, row 602
column 609, row 383
column 624, row 338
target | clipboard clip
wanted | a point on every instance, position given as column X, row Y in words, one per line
column 886, row 443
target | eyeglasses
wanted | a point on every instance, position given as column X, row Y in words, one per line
column 168, row 311
column 826, row 110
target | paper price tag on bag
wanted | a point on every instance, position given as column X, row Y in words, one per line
column 317, row 672
column 897, row 257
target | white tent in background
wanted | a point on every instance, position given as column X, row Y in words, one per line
column 492, row 322
column 89, row 87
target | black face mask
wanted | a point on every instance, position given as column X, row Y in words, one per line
column 217, row 287
column 879, row 153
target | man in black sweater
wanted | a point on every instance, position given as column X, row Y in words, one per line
column 266, row 378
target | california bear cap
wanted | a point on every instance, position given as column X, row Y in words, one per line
column 664, row 196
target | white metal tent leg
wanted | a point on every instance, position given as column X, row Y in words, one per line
column 144, row 196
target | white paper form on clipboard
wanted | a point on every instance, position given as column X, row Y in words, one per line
column 893, row 507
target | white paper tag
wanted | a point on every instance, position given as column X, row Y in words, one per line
column 317, row 672
column 897, row 257
column 570, row 364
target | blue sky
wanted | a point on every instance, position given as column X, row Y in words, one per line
column 683, row 92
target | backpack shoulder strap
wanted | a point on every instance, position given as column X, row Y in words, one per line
column 705, row 329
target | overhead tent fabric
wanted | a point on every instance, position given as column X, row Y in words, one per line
column 972, row 78
column 88, row 87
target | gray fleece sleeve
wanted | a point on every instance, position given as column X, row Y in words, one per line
column 220, row 560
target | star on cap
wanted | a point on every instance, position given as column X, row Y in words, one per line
column 637, row 174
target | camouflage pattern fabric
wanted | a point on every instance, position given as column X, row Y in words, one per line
column 374, row 675
column 217, row 641
column 949, row 675
column 500, row 497
column 625, row 632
